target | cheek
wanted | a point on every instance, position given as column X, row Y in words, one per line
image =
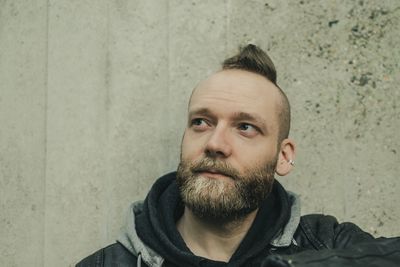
column 250, row 155
column 189, row 147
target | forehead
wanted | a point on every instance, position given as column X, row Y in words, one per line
column 237, row 91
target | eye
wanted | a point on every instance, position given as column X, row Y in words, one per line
column 248, row 129
column 198, row 124
column 245, row 127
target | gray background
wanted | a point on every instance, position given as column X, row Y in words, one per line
column 93, row 100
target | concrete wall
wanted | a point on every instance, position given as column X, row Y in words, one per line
column 93, row 99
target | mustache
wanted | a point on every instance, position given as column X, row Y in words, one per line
column 212, row 165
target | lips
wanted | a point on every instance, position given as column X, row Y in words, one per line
column 214, row 169
column 212, row 173
column 209, row 170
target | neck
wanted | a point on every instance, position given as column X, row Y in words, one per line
column 210, row 240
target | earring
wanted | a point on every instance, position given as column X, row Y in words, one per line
column 291, row 162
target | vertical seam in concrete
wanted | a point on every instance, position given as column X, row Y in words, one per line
column 46, row 89
column 168, row 75
column 227, row 24
column 107, row 109
column 343, row 181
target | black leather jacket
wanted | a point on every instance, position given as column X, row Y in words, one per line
column 318, row 241
column 297, row 241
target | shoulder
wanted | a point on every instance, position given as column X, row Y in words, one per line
column 112, row 255
column 324, row 231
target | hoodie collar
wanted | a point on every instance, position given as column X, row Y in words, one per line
column 285, row 237
column 131, row 241
column 149, row 223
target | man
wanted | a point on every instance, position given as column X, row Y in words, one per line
column 223, row 206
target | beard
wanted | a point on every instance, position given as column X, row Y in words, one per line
column 220, row 200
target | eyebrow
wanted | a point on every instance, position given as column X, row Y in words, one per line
column 201, row 111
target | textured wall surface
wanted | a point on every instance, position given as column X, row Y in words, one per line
column 23, row 89
column 93, row 98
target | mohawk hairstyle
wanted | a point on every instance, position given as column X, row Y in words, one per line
column 253, row 59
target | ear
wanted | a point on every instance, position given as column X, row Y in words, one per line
column 286, row 157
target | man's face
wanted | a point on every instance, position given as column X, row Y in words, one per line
column 229, row 149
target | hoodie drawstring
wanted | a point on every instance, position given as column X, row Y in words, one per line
column 139, row 260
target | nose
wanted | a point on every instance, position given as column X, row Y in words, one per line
column 218, row 144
